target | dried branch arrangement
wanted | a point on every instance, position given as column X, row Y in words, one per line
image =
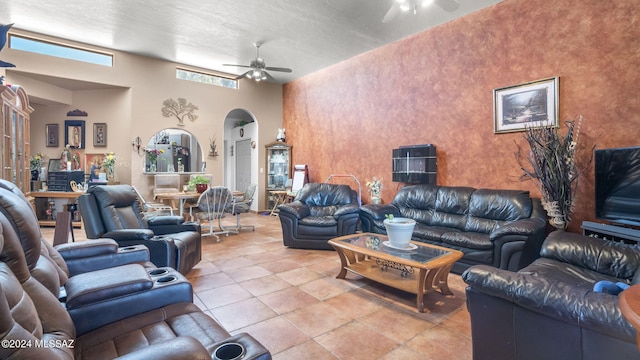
column 552, row 166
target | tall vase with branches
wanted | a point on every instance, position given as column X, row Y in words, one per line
column 553, row 166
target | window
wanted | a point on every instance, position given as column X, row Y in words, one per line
column 211, row 79
column 43, row 47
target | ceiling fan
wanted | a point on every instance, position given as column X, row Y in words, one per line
column 258, row 68
column 413, row 5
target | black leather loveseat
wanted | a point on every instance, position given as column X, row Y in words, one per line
column 549, row 310
column 502, row 228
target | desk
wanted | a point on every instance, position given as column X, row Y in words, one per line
column 71, row 197
column 629, row 303
column 182, row 196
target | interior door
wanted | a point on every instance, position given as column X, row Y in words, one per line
column 243, row 164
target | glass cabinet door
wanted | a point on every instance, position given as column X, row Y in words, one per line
column 278, row 169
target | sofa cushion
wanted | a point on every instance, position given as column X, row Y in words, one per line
column 470, row 240
column 318, row 221
column 433, row 233
column 489, row 209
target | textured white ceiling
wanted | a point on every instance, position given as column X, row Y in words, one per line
column 304, row 35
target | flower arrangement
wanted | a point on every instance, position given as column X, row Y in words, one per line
column 375, row 187
column 36, row 161
column 109, row 161
column 554, row 169
column 152, row 154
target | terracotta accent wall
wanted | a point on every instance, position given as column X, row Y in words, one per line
column 437, row 87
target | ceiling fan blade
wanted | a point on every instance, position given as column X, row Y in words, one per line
column 278, row 69
column 448, row 5
column 392, row 13
column 269, row 77
column 243, row 66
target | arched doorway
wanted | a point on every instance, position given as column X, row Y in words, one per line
column 241, row 151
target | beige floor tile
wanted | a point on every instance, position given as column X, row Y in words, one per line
column 442, row 343
column 265, row 285
column 299, row 276
column 242, row 313
column 309, row 350
column 223, row 295
column 287, row 300
column 276, row 334
column 356, row 341
column 317, row 319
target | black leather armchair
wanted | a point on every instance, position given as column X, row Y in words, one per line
column 548, row 310
column 320, row 212
column 115, row 212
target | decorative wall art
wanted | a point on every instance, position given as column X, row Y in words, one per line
column 180, row 109
column 519, row 107
column 51, row 131
column 74, row 134
column 99, row 134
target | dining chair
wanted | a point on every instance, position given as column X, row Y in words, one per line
column 152, row 208
column 211, row 207
column 164, row 183
column 242, row 205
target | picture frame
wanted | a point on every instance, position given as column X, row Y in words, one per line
column 88, row 161
column 100, row 135
column 54, row 165
column 74, row 134
column 51, row 133
column 519, row 107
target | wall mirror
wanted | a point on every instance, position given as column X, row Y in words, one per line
column 173, row 150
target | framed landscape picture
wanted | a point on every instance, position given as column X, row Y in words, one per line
column 99, row 134
column 519, row 107
column 51, row 132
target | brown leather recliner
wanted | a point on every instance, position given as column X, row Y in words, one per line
column 115, row 211
column 33, row 324
column 319, row 212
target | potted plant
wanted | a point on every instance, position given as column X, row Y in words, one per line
column 199, row 183
column 399, row 231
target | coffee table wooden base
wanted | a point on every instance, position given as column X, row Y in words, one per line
column 397, row 273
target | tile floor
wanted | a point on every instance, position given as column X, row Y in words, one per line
column 290, row 300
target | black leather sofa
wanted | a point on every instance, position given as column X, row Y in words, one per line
column 502, row 228
column 319, row 213
column 548, row 310
column 115, row 212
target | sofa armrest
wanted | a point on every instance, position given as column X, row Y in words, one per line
column 527, row 227
column 135, row 254
column 129, row 234
column 83, row 249
column 606, row 257
column 379, row 211
column 556, row 299
column 346, row 209
column 297, row 209
column 165, row 220
column 178, row 348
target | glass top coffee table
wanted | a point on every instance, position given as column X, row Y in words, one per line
column 417, row 270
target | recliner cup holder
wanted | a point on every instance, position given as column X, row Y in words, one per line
column 166, row 279
column 229, row 351
column 158, row 272
column 128, row 248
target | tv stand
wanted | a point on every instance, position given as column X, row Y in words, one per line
column 610, row 232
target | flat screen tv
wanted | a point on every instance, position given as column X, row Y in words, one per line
column 617, row 185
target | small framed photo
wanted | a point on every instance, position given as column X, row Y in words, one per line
column 54, row 165
column 519, row 107
column 74, row 133
column 99, row 134
column 51, row 131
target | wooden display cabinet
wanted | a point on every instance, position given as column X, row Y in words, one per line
column 278, row 172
